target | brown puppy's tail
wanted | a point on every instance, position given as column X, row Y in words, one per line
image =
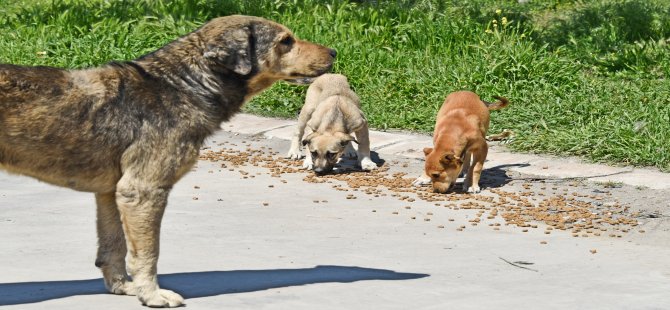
column 501, row 103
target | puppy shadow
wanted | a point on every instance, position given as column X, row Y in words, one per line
column 495, row 177
column 350, row 164
column 206, row 283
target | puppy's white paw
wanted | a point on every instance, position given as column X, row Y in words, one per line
column 162, row 299
column 421, row 181
column 367, row 164
column 474, row 189
column 307, row 163
column 294, row 154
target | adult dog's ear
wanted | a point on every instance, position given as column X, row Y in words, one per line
column 232, row 49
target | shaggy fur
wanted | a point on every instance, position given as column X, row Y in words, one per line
column 127, row 131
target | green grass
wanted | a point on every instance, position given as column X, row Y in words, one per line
column 586, row 78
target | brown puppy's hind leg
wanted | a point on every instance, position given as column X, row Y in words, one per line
column 141, row 205
column 111, row 258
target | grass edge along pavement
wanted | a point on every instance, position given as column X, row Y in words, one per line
column 585, row 79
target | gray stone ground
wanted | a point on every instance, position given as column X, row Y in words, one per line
column 311, row 247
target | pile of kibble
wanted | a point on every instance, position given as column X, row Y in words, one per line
column 582, row 215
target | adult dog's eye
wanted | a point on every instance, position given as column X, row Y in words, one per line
column 315, row 154
column 287, row 41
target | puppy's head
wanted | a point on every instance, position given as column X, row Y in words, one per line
column 326, row 149
column 263, row 51
column 442, row 168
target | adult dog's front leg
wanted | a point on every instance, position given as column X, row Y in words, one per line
column 364, row 160
column 111, row 257
column 141, row 208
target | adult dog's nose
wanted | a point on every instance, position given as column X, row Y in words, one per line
column 332, row 53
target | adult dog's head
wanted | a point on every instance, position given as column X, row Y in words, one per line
column 262, row 51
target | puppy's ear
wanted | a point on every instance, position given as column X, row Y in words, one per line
column 308, row 139
column 232, row 50
column 427, row 150
column 450, row 158
column 345, row 138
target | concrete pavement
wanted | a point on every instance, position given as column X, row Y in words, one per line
column 236, row 237
column 411, row 146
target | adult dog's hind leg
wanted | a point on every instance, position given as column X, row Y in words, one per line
column 111, row 258
column 141, row 207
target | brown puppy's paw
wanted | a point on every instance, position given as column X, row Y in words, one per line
column 421, row 181
column 474, row 189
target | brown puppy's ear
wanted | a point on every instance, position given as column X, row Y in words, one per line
column 427, row 150
column 232, row 50
column 308, row 139
column 450, row 158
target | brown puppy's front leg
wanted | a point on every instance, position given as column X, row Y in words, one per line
column 475, row 172
column 111, row 257
column 141, row 207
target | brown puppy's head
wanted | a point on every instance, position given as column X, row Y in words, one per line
column 442, row 168
column 326, row 149
column 263, row 51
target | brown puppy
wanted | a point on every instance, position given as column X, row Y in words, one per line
column 127, row 131
column 459, row 143
column 332, row 111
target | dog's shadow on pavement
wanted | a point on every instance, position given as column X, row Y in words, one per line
column 206, row 283
column 497, row 176
column 349, row 164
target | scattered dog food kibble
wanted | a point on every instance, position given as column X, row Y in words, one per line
column 564, row 208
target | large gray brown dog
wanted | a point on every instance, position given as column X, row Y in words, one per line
column 128, row 131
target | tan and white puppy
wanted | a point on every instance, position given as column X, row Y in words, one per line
column 332, row 112
column 459, row 142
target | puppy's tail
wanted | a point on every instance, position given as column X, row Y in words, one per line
column 501, row 103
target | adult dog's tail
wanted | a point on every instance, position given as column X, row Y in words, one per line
column 501, row 103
